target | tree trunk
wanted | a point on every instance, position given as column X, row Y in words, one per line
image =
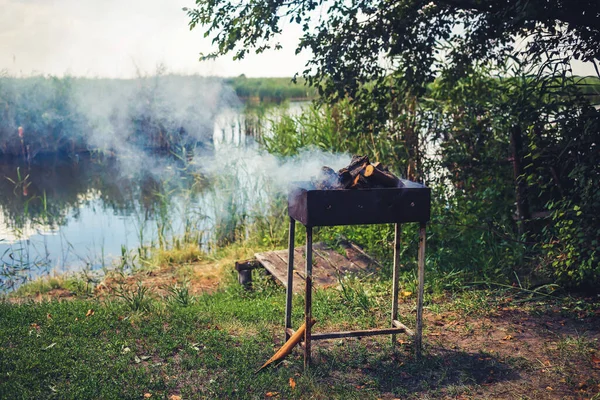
column 411, row 137
column 516, row 148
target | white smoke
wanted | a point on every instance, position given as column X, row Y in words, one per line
column 252, row 164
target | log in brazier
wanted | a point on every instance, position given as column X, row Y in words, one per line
column 409, row 202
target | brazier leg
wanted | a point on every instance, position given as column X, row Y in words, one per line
column 308, row 297
column 395, row 272
column 421, row 279
column 290, row 278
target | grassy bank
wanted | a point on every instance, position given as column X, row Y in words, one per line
column 46, row 115
column 478, row 344
column 271, row 89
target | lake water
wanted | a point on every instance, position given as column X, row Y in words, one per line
column 73, row 213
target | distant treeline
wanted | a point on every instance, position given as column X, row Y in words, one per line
column 45, row 114
column 271, row 89
column 161, row 111
column 588, row 86
column 281, row 89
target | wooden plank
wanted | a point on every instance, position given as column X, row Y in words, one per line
column 358, row 256
column 299, row 261
column 273, row 264
column 273, row 261
column 328, row 259
column 328, row 264
column 337, row 262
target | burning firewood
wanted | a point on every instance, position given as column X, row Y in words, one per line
column 345, row 178
column 380, row 166
column 359, row 174
column 328, row 179
column 357, row 164
column 382, row 177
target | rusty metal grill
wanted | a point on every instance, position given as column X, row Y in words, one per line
column 311, row 207
column 409, row 203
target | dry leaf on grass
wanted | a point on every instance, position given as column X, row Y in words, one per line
column 89, row 313
column 147, row 395
column 272, row 394
column 292, row 383
column 174, row 397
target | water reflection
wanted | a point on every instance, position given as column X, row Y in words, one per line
column 59, row 213
column 69, row 213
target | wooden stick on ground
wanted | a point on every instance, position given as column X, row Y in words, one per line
column 287, row 348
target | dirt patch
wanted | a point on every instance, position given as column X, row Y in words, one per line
column 523, row 351
column 199, row 277
column 486, row 348
column 522, row 354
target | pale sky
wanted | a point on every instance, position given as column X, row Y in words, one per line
column 110, row 38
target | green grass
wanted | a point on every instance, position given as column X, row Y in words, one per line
column 80, row 285
column 210, row 346
column 271, row 89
